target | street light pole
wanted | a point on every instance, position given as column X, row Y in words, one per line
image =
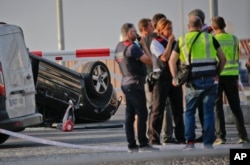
column 60, row 31
column 181, row 17
column 213, row 8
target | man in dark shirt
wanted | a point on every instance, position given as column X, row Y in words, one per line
column 131, row 60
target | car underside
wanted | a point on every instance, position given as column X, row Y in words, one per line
column 91, row 91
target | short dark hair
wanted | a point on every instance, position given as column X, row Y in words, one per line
column 195, row 21
column 143, row 23
column 125, row 28
column 219, row 22
column 199, row 13
column 157, row 17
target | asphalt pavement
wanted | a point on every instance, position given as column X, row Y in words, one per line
column 219, row 155
column 105, row 144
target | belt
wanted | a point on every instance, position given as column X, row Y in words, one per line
column 202, row 77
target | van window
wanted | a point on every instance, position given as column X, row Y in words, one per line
column 17, row 57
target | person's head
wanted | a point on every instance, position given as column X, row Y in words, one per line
column 194, row 23
column 164, row 27
column 199, row 13
column 156, row 18
column 145, row 26
column 128, row 32
column 218, row 23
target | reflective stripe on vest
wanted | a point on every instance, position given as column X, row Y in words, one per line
column 229, row 45
column 203, row 53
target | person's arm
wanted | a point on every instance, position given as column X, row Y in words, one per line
column 222, row 60
column 221, row 56
column 156, row 49
column 172, row 66
column 146, row 57
column 166, row 54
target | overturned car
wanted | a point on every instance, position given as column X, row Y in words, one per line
column 35, row 91
column 91, row 91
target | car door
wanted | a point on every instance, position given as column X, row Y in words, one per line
column 16, row 74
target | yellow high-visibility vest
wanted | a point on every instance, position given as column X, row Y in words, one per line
column 230, row 46
column 203, row 53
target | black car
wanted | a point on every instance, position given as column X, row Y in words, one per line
column 91, row 91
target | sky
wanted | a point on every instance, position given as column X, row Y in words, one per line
column 97, row 23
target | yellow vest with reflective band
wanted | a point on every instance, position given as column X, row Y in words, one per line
column 203, row 53
column 230, row 46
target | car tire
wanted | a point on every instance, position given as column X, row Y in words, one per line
column 3, row 138
column 97, row 78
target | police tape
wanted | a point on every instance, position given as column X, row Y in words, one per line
column 61, row 144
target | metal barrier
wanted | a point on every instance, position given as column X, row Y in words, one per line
column 77, row 58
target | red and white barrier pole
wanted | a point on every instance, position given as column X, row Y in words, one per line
column 78, row 54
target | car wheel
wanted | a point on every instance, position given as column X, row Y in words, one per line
column 3, row 138
column 97, row 78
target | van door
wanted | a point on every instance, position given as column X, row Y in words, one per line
column 16, row 73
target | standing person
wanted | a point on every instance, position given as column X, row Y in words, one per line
column 208, row 29
column 228, row 82
column 146, row 28
column 202, row 85
column 161, row 48
column 131, row 60
column 167, row 125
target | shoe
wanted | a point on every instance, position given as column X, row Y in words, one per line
column 148, row 148
column 208, row 147
column 133, row 149
column 243, row 141
column 219, row 141
column 155, row 142
column 170, row 140
column 199, row 139
column 189, row 146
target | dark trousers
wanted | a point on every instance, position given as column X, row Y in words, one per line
column 135, row 105
column 163, row 88
column 167, row 124
column 200, row 114
column 229, row 84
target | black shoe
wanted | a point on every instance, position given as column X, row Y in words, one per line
column 136, row 149
column 133, row 149
column 199, row 139
column 170, row 140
